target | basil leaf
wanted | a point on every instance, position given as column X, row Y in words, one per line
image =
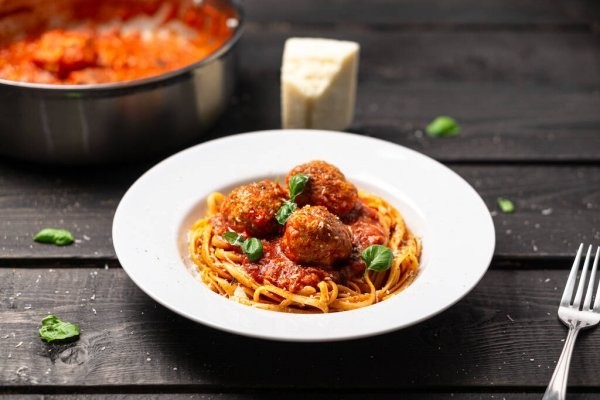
column 55, row 330
column 377, row 257
column 297, row 184
column 443, row 126
column 233, row 238
column 285, row 211
column 59, row 237
column 252, row 248
column 506, row 206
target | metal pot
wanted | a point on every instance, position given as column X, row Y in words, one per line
column 91, row 124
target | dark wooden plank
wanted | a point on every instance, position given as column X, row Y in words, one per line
column 557, row 208
column 518, row 96
column 431, row 12
column 545, row 59
column 300, row 394
column 548, row 59
column 504, row 334
column 499, row 123
column 33, row 197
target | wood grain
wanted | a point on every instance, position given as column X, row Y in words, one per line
column 504, row 334
column 512, row 92
column 297, row 394
column 545, row 59
column 431, row 12
column 33, row 197
column 523, row 79
column 556, row 208
column 499, row 123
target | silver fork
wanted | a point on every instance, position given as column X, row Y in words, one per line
column 576, row 316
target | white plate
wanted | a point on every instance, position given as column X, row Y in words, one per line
column 151, row 224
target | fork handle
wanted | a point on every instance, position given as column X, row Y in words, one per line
column 558, row 383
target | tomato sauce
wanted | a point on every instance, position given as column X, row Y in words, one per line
column 117, row 41
column 365, row 226
column 275, row 267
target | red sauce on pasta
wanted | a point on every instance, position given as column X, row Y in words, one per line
column 270, row 248
column 275, row 267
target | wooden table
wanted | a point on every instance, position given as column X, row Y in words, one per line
column 522, row 78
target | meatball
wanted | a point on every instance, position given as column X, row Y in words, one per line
column 313, row 235
column 62, row 52
column 327, row 187
column 251, row 208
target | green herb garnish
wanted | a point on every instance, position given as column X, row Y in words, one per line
column 377, row 257
column 234, row 238
column 285, row 211
column 506, row 206
column 443, row 126
column 252, row 247
column 55, row 330
column 59, row 237
column 296, row 186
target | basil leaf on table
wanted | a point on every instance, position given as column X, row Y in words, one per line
column 443, row 126
column 377, row 257
column 59, row 237
column 506, row 206
column 55, row 330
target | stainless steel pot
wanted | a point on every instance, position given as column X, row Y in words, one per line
column 91, row 124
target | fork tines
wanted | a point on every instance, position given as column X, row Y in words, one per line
column 568, row 293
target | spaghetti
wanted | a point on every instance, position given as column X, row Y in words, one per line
column 277, row 282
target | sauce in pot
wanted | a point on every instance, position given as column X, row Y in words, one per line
column 121, row 42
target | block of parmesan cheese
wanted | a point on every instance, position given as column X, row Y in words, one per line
column 318, row 83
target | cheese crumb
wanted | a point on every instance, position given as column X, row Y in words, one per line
column 318, row 83
column 239, row 292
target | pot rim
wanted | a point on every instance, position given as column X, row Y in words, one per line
column 151, row 80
